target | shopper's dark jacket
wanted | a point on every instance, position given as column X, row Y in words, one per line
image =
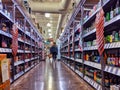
column 54, row 49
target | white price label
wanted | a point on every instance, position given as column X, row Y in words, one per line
column 96, row 85
column 7, row 50
column 105, row 46
column 117, row 44
column 114, row 70
column 106, row 68
column 108, row 45
column 0, row 49
column 118, row 73
column 112, row 45
column 99, row 88
column 92, row 82
column 109, row 69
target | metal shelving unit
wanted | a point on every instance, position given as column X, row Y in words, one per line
column 102, row 66
column 28, row 39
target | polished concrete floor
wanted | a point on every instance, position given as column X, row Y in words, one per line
column 48, row 76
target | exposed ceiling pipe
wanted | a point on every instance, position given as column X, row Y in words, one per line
column 47, row 6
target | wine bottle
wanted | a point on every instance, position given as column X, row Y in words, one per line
column 111, row 13
column 1, row 5
column 107, row 16
column 119, row 59
column 117, row 9
column 87, row 57
column 108, row 60
column 116, row 37
column 107, row 80
column 113, row 60
column 113, row 35
column 116, row 60
column 119, row 35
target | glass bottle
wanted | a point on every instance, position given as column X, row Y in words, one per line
column 1, row 5
column 116, row 59
column 119, row 59
column 108, row 16
column 117, row 9
column 111, row 13
column 108, row 59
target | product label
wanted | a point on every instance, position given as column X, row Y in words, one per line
column 4, row 69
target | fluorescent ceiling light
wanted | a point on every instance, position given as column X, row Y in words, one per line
column 47, row 15
column 50, row 34
column 48, row 24
column 49, row 30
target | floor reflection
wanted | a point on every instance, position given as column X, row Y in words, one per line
column 50, row 76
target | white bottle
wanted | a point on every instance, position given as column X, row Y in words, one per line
column 1, row 6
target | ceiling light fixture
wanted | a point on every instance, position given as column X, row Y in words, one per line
column 48, row 24
column 50, row 34
column 49, row 30
column 47, row 15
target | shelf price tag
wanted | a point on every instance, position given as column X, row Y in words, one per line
column 114, row 70
column 118, row 72
column 107, row 45
column 0, row 49
column 118, row 45
column 109, row 69
column 96, row 85
column 106, row 68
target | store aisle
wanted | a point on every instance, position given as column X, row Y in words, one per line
column 46, row 76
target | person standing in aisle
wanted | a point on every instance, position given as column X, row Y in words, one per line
column 54, row 51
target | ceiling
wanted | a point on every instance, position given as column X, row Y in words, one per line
column 48, row 0
column 51, row 15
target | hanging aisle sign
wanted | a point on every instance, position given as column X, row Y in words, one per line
column 99, row 22
column 80, row 40
column 14, row 40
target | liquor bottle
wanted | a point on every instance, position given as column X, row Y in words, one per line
column 84, row 56
column 113, row 60
column 116, row 37
column 113, row 35
column 1, row 5
column 107, row 80
column 95, row 75
column 111, row 38
column 119, row 59
column 108, row 16
column 111, row 13
column 108, row 59
column 116, row 60
column 113, row 80
column 117, row 9
column 119, row 35
column 87, row 57
column 105, row 58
